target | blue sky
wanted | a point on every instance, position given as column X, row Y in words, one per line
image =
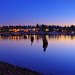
column 26, row 12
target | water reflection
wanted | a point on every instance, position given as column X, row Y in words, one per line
column 25, row 37
column 50, row 53
column 32, row 39
column 45, row 43
column 45, row 39
column 38, row 37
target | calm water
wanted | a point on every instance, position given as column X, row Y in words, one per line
column 58, row 58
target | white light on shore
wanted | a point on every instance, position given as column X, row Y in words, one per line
column 72, row 32
column 47, row 29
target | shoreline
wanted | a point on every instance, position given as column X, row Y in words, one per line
column 40, row 33
column 9, row 69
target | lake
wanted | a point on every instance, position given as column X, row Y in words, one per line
column 57, row 58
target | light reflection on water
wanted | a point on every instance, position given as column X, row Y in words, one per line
column 57, row 57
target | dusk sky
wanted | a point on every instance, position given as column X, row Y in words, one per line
column 14, row 12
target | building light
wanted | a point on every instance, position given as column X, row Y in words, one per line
column 33, row 29
column 72, row 32
column 16, row 30
column 47, row 29
column 57, row 29
column 62, row 30
column 26, row 30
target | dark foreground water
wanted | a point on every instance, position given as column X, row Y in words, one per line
column 58, row 58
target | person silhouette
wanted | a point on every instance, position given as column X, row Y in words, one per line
column 32, row 40
column 45, row 43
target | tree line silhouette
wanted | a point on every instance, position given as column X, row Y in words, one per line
column 43, row 28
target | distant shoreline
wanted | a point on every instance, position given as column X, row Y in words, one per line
column 9, row 69
column 40, row 33
column 37, row 30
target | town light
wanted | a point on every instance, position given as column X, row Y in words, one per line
column 47, row 29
